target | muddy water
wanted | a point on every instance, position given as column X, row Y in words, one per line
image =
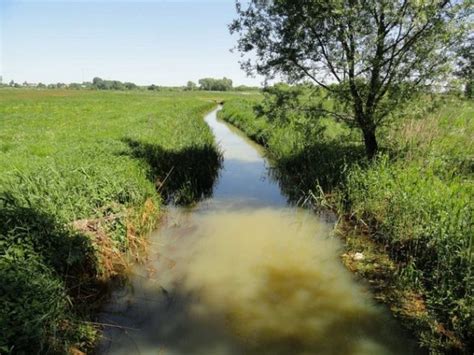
column 243, row 273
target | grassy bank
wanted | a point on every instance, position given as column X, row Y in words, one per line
column 79, row 176
column 409, row 212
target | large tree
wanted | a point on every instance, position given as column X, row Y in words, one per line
column 375, row 51
column 465, row 66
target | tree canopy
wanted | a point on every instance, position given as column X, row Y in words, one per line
column 465, row 65
column 190, row 86
column 376, row 51
column 212, row 84
column 102, row 84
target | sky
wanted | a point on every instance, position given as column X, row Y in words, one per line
column 162, row 42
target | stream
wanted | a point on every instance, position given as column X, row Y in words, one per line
column 243, row 272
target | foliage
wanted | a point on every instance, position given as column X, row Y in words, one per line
column 376, row 51
column 246, row 88
column 240, row 113
column 190, row 86
column 425, row 222
column 79, row 175
column 100, row 84
column 415, row 198
column 33, row 301
column 298, row 106
column 305, row 146
column 211, row 84
column 130, row 86
column 208, row 84
column 465, row 65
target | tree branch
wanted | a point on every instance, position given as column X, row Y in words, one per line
column 326, row 56
column 311, row 76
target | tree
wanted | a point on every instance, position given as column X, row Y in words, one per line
column 206, row 83
column 190, row 86
column 246, row 88
column 97, row 82
column 74, row 86
column 293, row 105
column 116, row 85
column 130, row 86
column 465, row 66
column 101, row 84
column 212, row 84
column 376, row 51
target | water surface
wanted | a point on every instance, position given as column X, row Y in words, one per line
column 244, row 273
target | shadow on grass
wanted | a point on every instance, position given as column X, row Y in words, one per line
column 66, row 251
column 41, row 264
column 181, row 177
column 49, row 272
column 324, row 164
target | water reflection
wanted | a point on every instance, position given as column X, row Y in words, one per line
column 244, row 175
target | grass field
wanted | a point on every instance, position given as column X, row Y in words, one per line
column 409, row 211
column 84, row 175
column 79, row 176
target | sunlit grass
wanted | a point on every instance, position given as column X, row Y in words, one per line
column 82, row 177
column 415, row 198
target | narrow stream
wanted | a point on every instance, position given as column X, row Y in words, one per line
column 244, row 273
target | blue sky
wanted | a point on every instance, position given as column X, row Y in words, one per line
column 164, row 42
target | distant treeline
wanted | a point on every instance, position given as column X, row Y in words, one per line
column 100, row 84
column 211, row 84
column 206, row 84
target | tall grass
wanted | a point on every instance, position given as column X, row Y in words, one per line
column 415, row 200
column 79, row 176
column 419, row 204
column 301, row 159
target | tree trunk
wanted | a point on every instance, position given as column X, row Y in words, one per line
column 370, row 141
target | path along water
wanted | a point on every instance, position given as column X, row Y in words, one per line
column 245, row 273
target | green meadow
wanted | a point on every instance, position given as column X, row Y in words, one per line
column 409, row 211
column 85, row 175
column 83, row 178
column 359, row 115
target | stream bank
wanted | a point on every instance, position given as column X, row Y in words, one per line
column 408, row 212
column 244, row 272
